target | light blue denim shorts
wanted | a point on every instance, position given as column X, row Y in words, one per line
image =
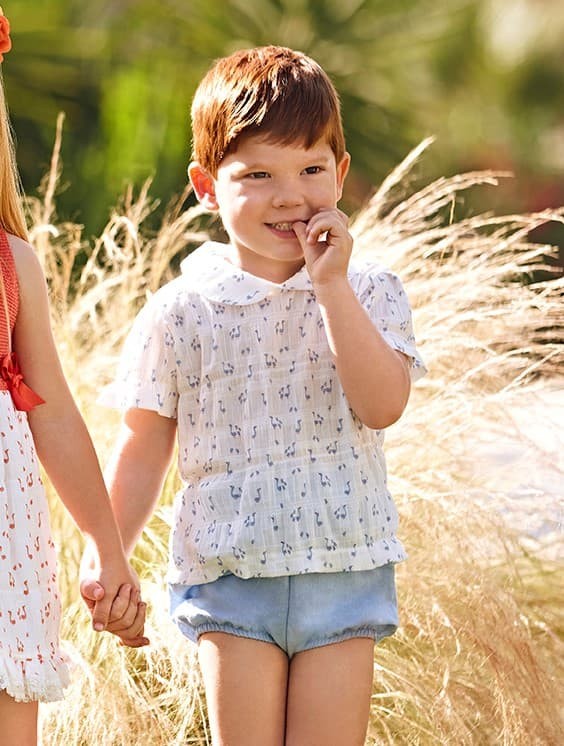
column 296, row 612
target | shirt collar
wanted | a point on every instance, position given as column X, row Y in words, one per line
column 209, row 271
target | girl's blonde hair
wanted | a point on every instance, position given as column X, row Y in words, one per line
column 11, row 211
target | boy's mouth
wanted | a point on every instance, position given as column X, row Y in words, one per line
column 282, row 226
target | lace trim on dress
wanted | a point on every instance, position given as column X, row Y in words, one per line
column 27, row 681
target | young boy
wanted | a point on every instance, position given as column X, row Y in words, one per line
column 279, row 363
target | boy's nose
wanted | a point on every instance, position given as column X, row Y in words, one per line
column 287, row 195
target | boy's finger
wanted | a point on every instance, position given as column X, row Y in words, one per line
column 134, row 637
column 299, row 229
column 108, row 605
column 120, row 603
column 136, row 642
column 125, row 616
column 135, row 630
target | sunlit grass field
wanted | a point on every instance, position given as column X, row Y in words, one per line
column 479, row 657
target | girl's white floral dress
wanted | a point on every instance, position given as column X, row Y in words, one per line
column 32, row 666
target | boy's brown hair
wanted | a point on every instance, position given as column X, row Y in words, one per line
column 271, row 91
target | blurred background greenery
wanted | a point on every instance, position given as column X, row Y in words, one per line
column 486, row 77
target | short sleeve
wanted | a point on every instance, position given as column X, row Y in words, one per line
column 386, row 302
column 147, row 370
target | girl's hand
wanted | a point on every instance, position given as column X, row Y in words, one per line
column 114, row 607
column 325, row 259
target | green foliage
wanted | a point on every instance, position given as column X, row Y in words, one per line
column 485, row 76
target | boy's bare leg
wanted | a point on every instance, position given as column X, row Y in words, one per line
column 18, row 722
column 245, row 682
column 329, row 691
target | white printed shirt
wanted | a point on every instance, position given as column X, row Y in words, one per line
column 279, row 475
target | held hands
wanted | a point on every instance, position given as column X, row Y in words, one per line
column 326, row 260
column 115, row 606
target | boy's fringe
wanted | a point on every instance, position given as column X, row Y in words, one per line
column 480, row 650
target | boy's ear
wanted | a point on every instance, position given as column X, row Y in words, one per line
column 203, row 185
column 342, row 171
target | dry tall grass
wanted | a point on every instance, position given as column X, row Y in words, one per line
column 479, row 658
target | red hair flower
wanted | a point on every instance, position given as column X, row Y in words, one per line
column 5, row 41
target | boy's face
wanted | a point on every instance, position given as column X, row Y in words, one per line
column 261, row 189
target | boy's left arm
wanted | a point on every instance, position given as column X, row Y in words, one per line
column 374, row 376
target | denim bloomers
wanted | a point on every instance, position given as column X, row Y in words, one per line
column 296, row 612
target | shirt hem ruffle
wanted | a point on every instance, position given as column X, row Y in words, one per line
column 385, row 552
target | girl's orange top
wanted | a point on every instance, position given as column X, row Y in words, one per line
column 10, row 280
column 11, row 378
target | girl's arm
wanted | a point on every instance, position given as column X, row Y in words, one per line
column 61, row 439
column 135, row 477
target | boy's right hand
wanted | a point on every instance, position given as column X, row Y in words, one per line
column 127, row 614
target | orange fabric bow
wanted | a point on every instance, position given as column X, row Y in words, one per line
column 5, row 41
column 23, row 397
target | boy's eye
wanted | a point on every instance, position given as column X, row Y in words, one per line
column 258, row 175
column 313, row 170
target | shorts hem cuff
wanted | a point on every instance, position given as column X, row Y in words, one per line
column 374, row 633
column 194, row 633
